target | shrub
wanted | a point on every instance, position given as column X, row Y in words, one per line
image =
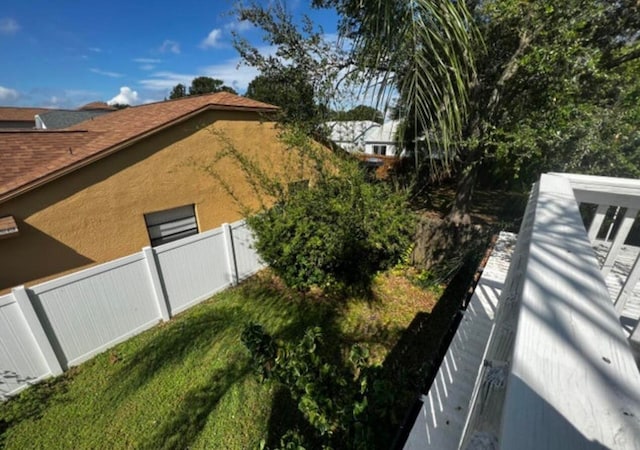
column 347, row 407
column 335, row 234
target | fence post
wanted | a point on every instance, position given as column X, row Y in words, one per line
column 156, row 284
column 231, row 253
column 30, row 316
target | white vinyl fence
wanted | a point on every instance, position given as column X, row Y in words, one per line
column 50, row 327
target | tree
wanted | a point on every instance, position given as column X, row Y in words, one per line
column 199, row 86
column 546, row 83
column 178, row 91
column 289, row 89
column 206, row 85
column 302, row 55
column 120, row 105
column 548, row 77
column 360, row 112
column 421, row 49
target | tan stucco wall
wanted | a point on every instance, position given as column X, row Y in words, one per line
column 95, row 214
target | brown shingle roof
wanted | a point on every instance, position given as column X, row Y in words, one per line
column 31, row 158
column 101, row 106
column 15, row 114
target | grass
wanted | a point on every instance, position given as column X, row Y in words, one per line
column 187, row 383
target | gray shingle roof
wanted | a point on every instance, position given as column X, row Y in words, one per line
column 54, row 120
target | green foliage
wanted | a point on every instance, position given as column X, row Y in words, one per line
column 336, row 234
column 289, row 89
column 178, row 91
column 429, row 280
column 199, row 86
column 119, row 105
column 360, row 112
column 305, row 55
column 564, row 95
column 343, row 406
column 206, row 85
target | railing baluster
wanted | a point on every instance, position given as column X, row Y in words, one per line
column 628, row 287
column 596, row 224
column 618, row 242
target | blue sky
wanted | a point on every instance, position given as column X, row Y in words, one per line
column 65, row 54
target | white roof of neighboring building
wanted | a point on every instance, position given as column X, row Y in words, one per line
column 349, row 130
column 385, row 133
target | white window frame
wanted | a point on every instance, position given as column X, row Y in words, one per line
column 380, row 150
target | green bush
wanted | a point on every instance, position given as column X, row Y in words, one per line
column 347, row 407
column 335, row 234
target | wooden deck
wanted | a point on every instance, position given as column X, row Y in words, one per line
column 541, row 359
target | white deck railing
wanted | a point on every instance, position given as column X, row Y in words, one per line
column 558, row 371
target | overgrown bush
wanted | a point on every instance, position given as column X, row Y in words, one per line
column 346, row 406
column 321, row 222
column 335, row 234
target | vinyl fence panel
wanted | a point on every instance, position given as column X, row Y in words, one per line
column 89, row 311
column 63, row 322
column 247, row 260
column 21, row 362
column 193, row 269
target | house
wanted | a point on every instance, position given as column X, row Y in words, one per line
column 63, row 118
column 382, row 140
column 350, row 134
column 140, row 176
column 15, row 117
column 366, row 136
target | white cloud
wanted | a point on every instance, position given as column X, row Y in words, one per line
column 161, row 81
column 212, row 40
column 232, row 75
column 239, row 26
column 170, row 46
column 95, row 49
column 125, row 97
column 9, row 26
column 147, row 64
column 107, row 73
column 147, row 60
column 8, row 95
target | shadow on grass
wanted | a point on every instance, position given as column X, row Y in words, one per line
column 171, row 346
column 413, row 363
column 189, row 420
column 32, row 403
column 286, row 416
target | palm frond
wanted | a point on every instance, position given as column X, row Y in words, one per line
column 424, row 50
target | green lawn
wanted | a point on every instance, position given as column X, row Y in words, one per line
column 187, row 383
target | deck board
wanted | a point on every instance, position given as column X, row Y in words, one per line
column 440, row 422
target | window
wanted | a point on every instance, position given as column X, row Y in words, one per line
column 8, row 227
column 171, row 224
column 380, row 149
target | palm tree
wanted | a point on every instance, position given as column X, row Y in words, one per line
column 423, row 50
